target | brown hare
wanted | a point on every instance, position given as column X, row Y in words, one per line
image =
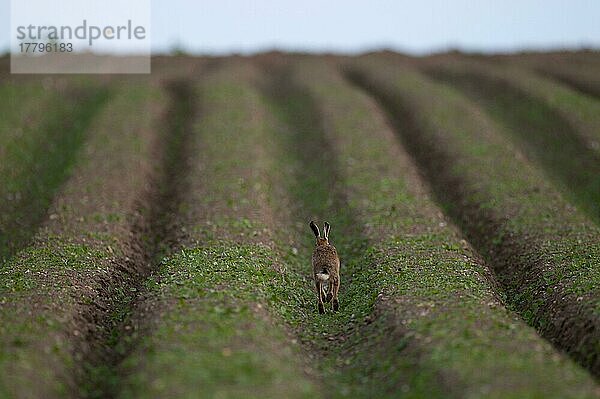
column 326, row 268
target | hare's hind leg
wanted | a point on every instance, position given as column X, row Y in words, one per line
column 329, row 296
column 335, row 285
column 320, row 297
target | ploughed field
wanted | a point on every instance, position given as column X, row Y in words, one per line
column 154, row 237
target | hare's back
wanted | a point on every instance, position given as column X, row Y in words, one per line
column 325, row 256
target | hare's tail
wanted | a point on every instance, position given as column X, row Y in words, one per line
column 323, row 276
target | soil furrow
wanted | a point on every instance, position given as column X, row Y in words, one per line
column 154, row 234
column 557, row 128
column 55, row 292
column 543, row 251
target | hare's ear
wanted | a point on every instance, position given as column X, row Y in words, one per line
column 314, row 228
column 326, row 228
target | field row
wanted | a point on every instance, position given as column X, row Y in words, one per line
column 160, row 243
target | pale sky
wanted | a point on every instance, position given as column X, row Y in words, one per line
column 349, row 26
